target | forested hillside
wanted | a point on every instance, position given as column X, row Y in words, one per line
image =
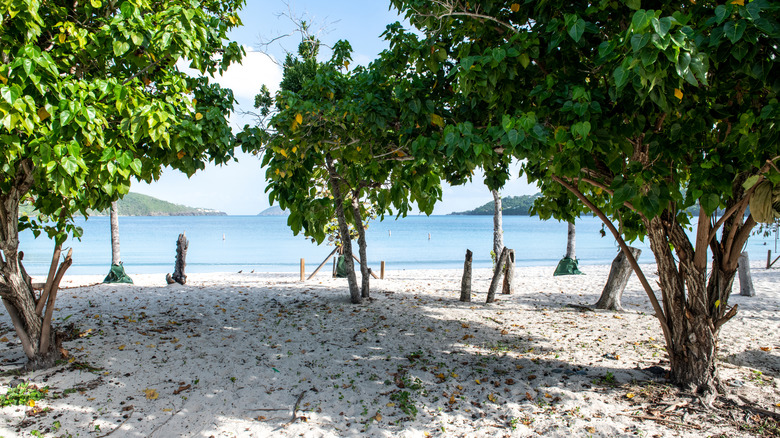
column 511, row 206
column 135, row 204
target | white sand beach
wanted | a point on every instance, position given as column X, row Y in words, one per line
column 265, row 355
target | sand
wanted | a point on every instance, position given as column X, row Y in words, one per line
column 261, row 355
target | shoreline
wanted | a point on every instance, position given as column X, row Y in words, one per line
column 257, row 355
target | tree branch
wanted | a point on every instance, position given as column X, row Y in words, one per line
column 629, row 256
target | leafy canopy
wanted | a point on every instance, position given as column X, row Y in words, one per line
column 92, row 96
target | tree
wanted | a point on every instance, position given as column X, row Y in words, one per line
column 638, row 114
column 90, row 98
column 334, row 149
column 498, row 231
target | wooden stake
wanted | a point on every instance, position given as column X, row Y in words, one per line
column 465, row 284
column 509, row 276
column 768, row 258
column 358, row 260
column 303, row 269
column 382, row 270
column 745, row 279
column 323, row 264
column 497, row 275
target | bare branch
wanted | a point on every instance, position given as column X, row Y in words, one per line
column 451, row 9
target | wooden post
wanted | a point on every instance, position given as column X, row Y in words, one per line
column 181, row 261
column 768, row 258
column 745, row 280
column 303, row 269
column 382, row 270
column 497, row 275
column 509, row 276
column 619, row 273
column 334, row 266
column 465, row 284
column 323, row 264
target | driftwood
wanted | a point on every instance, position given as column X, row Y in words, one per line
column 465, row 284
column 745, row 279
column 619, row 274
column 497, row 272
column 181, row 261
column 509, row 275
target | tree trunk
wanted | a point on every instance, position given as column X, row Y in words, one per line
column 364, row 271
column 498, row 230
column 181, row 261
column 619, row 274
column 465, row 284
column 745, row 279
column 499, row 269
column 114, row 213
column 570, row 243
column 31, row 318
column 692, row 342
column 346, row 241
column 509, row 276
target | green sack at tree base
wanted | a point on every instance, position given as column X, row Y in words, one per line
column 117, row 275
column 341, row 267
column 567, row 266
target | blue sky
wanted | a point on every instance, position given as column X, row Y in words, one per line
column 239, row 188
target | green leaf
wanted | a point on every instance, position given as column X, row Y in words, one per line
column 524, row 60
column 514, row 137
column 638, row 41
column 577, row 29
column 499, row 54
column 507, row 123
column 710, row 202
column 120, row 48
column 621, row 77
column 720, row 13
column 641, row 19
column 661, row 26
column 734, row 30
column 623, row 194
column 751, row 181
column 634, row 4
column 95, row 3
column 70, row 165
column 649, row 57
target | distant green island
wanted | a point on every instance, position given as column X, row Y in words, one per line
column 136, row 204
column 510, row 206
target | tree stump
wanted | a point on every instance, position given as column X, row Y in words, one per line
column 619, row 274
column 465, row 284
column 509, row 275
column 497, row 275
column 181, row 261
column 745, row 279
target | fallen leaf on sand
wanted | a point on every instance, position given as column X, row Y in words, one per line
column 151, row 394
column 121, row 347
column 528, row 396
column 181, row 389
column 492, row 397
column 378, row 417
column 630, row 395
column 766, row 348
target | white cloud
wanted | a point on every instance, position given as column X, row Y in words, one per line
column 255, row 70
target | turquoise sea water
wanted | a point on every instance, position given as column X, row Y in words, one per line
column 266, row 244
